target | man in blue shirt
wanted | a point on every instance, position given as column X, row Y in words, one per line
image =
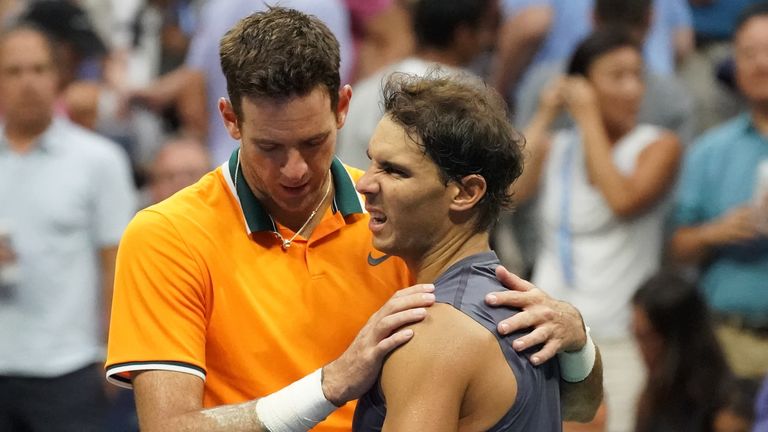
column 65, row 196
column 717, row 222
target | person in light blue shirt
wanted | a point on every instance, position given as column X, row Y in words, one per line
column 717, row 221
column 65, row 196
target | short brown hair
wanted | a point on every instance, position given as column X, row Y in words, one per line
column 279, row 53
column 463, row 127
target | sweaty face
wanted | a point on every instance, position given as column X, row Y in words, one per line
column 617, row 77
column 287, row 149
column 751, row 55
column 27, row 79
column 405, row 196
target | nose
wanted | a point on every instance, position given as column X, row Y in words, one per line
column 295, row 168
column 366, row 184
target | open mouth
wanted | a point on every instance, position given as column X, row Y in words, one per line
column 377, row 220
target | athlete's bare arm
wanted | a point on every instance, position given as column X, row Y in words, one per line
column 440, row 381
column 173, row 401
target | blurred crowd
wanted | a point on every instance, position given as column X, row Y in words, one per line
column 644, row 200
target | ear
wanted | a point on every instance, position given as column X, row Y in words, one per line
column 345, row 95
column 468, row 192
column 229, row 118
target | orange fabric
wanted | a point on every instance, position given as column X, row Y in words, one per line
column 194, row 290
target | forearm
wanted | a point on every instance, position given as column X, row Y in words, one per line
column 235, row 418
column 615, row 187
column 191, row 106
column 692, row 245
column 519, row 40
column 580, row 400
column 164, row 405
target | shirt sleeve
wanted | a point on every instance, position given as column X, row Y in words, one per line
column 159, row 309
column 114, row 200
column 691, row 190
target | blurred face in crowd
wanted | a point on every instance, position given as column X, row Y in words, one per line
column 648, row 340
column 480, row 38
column 617, row 78
column 751, row 55
column 404, row 194
column 28, row 79
column 178, row 164
column 287, row 148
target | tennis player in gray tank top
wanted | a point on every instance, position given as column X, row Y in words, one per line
column 443, row 160
column 464, row 286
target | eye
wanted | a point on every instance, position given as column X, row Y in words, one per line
column 267, row 148
column 394, row 171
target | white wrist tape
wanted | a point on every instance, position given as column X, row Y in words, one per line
column 296, row 408
column 576, row 366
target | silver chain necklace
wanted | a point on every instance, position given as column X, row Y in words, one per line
column 287, row 243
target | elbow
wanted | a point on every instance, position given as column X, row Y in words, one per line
column 625, row 209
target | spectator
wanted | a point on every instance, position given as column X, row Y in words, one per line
column 79, row 51
column 713, row 25
column 687, row 372
column 716, row 225
column 66, row 195
column 178, row 163
column 602, row 189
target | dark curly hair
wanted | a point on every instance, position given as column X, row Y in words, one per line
column 462, row 125
column 279, row 53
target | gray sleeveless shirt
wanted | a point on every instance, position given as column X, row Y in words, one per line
column 464, row 286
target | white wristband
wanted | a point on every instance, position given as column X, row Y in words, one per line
column 576, row 366
column 297, row 407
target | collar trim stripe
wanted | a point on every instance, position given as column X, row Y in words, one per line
column 346, row 199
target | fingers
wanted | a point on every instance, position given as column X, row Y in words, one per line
column 408, row 298
column 387, row 325
column 545, row 353
column 538, row 336
column 394, row 341
column 512, row 281
column 415, row 289
column 515, row 299
column 523, row 320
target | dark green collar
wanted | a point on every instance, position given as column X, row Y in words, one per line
column 345, row 197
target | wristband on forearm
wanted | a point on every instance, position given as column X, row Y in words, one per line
column 297, row 407
column 576, row 366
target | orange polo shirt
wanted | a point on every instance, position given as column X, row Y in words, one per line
column 204, row 287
